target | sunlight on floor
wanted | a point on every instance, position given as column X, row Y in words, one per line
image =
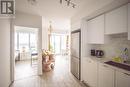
column 23, row 69
column 59, row 77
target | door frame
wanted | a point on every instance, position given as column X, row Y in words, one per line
column 12, row 59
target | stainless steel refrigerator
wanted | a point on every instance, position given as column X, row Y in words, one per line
column 75, row 53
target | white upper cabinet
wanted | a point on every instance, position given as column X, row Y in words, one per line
column 129, row 21
column 95, row 30
column 116, row 21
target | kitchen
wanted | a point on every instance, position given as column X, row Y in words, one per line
column 105, row 45
column 100, row 42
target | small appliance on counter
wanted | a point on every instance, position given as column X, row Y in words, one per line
column 92, row 52
column 97, row 53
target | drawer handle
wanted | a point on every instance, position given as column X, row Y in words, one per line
column 127, row 74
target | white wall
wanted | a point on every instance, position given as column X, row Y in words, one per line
column 58, row 31
column 76, row 25
column 4, row 52
column 44, row 34
column 83, row 45
column 32, row 21
column 28, row 20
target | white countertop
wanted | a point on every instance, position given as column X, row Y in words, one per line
column 102, row 60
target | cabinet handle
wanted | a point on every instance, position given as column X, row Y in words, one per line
column 105, row 66
column 127, row 74
column 89, row 61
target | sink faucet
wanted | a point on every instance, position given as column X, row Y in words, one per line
column 125, row 55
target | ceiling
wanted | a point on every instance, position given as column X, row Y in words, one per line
column 52, row 10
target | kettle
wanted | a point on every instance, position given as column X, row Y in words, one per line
column 99, row 53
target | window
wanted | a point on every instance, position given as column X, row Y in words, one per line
column 58, row 43
column 33, row 41
column 26, row 41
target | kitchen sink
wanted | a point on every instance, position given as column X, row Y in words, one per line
column 127, row 62
column 119, row 65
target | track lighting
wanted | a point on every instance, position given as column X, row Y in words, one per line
column 69, row 3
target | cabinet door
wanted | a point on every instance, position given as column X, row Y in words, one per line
column 116, row 21
column 105, row 76
column 91, row 73
column 96, row 30
column 129, row 21
column 122, row 79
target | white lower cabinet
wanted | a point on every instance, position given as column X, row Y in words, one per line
column 97, row 74
column 129, row 21
column 105, row 76
column 90, row 72
column 122, row 79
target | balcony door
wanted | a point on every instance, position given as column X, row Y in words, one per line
column 59, row 43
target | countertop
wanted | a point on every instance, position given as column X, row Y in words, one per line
column 102, row 60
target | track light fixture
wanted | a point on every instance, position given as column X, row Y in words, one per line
column 69, row 3
column 32, row 2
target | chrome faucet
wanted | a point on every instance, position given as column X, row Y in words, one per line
column 125, row 55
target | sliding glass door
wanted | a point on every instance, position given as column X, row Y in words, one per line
column 58, row 43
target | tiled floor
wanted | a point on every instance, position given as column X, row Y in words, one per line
column 59, row 77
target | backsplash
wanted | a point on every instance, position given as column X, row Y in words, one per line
column 114, row 47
